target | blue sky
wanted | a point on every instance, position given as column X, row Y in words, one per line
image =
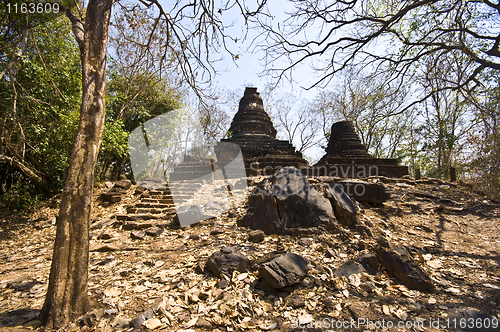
column 235, row 75
column 247, row 68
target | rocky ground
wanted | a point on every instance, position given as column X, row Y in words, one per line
column 157, row 280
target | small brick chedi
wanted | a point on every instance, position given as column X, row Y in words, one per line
column 347, row 157
column 253, row 131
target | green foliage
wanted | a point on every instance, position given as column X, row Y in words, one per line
column 133, row 98
column 51, row 110
column 114, row 139
column 18, row 197
column 138, row 97
column 47, row 80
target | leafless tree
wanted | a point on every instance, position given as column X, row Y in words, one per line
column 448, row 117
column 294, row 122
column 386, row 36
column 214, row 121
column 373, row 107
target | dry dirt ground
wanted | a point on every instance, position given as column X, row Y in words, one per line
column 452, row 232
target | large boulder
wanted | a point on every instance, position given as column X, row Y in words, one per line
column 401, row 265
column 285, row 203
column 363, row 191
column 345, row 210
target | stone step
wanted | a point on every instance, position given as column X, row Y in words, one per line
column 131, row 225
column 175, row 193
column 157, row 201
column 166, row 199
column 186, row 187
column 143, row 205
column 183, row 196
column 134, row 217
column 158, row 192
column 167, row 211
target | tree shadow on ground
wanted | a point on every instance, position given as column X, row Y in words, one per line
column 18, row 317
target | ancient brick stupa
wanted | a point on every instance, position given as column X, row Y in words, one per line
column 253, row 131
column 347, row 157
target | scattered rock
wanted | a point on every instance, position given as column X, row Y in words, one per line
column 226, row 261
column 256, row 236
column 199, row 268
column 328, row 303
column 124, row 284
column 304, row 241
column 139, row 190
column 104, row 248
column 91, row 319
column 154, row 231
column 194, row 236
column 216, row 231
column 223, row 283
column 330, row 253
column 33, row 324
column 123, row 184
column 344, row 208
column 137, row 235
column 369, row 261
column 383, row 242
column 139, row 321
column 23, row 284
column 203, row 324
column 189, row 214
column 295, row 301
column 283, row 271
column 349, row 268
column 365, row 191
column 405, row 269
column 106, row 235
column 360, row 310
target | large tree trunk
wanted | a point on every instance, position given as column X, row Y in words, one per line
column 67, row 296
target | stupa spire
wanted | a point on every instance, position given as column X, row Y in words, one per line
column 251, row 118
column 253, row 132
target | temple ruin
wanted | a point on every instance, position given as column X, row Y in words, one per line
column 193, row 168
column 253, row 131
column 347, row 157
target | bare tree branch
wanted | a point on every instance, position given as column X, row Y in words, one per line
column 332, row 36
column 76, row 26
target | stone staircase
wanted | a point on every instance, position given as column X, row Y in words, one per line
column 156, row 207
